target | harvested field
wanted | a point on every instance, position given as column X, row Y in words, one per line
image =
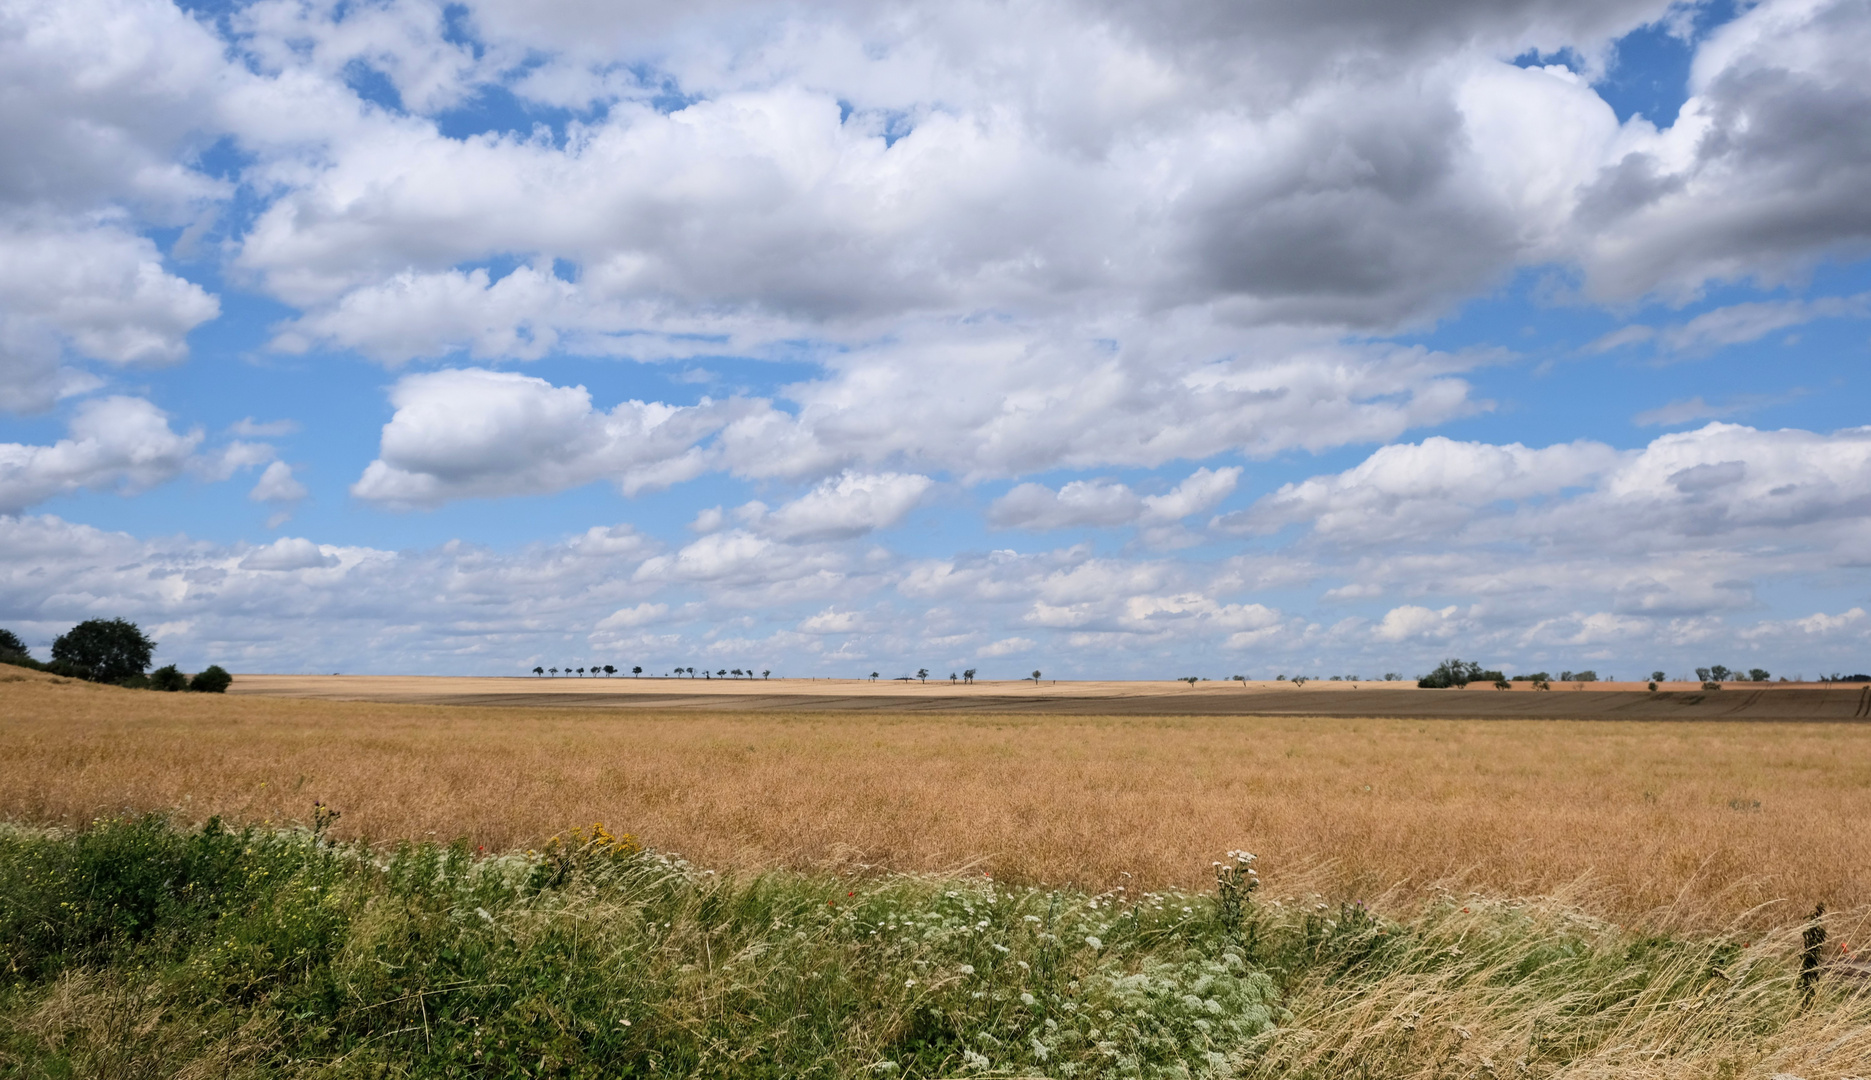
column 1706, row 819
column 1573, row 701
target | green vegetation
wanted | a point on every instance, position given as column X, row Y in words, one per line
column 1454, row 672
column 135, row 949
column 111, row 651
column 211, row 680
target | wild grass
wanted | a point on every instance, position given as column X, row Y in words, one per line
column 1688, row 826
column 136, row 950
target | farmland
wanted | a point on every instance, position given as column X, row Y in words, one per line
column 1708, row 821
column 890, row 891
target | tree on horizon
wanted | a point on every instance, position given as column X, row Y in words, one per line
column 107, row 650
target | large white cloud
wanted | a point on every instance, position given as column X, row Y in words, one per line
column 1107, row 503
column 115, row 443
column 847, row 506
column 1762, row 172
column 1692, row 525
column 93, row 290
column 101, row 104
column 458, row 434
column 1416, row 490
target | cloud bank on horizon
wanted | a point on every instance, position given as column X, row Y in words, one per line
column 1110, row 338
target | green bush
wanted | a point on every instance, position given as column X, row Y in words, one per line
column 211, row 680
column 168, row 678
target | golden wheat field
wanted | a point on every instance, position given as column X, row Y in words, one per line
column 1696, row 824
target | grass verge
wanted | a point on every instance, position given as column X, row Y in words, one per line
column 134, row 949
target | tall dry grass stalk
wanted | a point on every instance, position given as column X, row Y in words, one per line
column 1694, row 825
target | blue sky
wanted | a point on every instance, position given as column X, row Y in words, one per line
column 399, row 336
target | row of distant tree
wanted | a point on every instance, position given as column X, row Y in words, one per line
column 922, row 675
column 111, row 651
column 1450, row 673
column 1453, row 672
column 609, row 671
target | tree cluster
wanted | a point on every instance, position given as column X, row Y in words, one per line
column 1454, row 672
column 112, row 651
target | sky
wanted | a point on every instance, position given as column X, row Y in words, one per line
column 1110, row 339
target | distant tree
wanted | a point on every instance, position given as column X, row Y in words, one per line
column 721, row 674
column 1585, row 676
column 923, row 674
column 1758, row 675
column 1702, row 674
column 168, row 678
column 1191, row 680
column 110, row 649
column 555, row 672
column 1299, row 680
column 1392, row 676
column 767, row 673
column 1035, row 676
column 1501, row 683
column 11, row 643
column 609, row 671
column 539, row 671
column 211, row 680
column 1718, row 673
column 636, row 672
column 968, row 675
column 954, row 677
column 691, row 673
column 1242, row 679
column 737, row 673
column 1656, row 676
column 873, row 676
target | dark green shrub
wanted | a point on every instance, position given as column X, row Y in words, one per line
column 168, row 678
column 211, row 680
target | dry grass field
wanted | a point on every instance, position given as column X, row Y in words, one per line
column 1691, row 823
